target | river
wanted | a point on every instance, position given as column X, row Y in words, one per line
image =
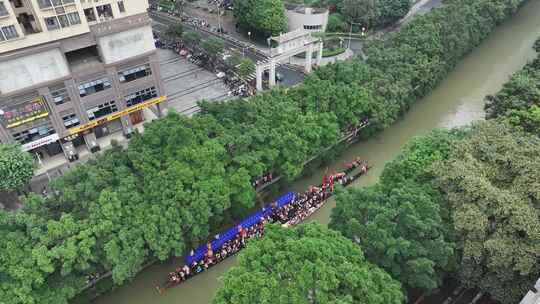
column 457, row 101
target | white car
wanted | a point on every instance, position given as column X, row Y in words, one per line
column 220, row 75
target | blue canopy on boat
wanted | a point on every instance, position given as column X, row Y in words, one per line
column 231, row 233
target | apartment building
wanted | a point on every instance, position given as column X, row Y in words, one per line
column 72, row 71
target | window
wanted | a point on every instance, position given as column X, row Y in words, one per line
column 134, row 73
column 60, row 95
column 39, row 131
column 63, row 20
column 74, row 18
column 90, row 15
column 52, row 23
column 104, row 12
column 102, row 110
column 121, row 7
column 3, row 9
column 60, row 10
column 51, row 3
column 44, row 3
column 140, row 96
column 10, row 32
column 70, row 121
column 95, row 86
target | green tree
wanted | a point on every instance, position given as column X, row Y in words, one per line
column 402, row 223
column 213, row 46
column 360, row 11
column 400, row 230
column 390, row 11
column 16, row 167
column 492, row 183
column 245, row 68
column 191, row 38
column 306, row 264
column 263, row 16
column 174, row 31
column 336, row 23
column 179, row 6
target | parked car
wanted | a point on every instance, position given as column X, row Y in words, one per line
column 220, row 74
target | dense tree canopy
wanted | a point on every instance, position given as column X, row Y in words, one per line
column 370, row 13
column 213, row 46
column 192, row 38
column 184, row 178
column 16, row 167
column 266, row 17
column 492, row 183
column 336, row 23
column 359, row 11
column 245, row 68
column 306, row 264
column 174, row 31
column 399, row 223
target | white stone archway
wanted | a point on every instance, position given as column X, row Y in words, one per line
column 289, row 44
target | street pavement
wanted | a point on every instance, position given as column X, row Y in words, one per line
column 291, row 76
column 186, row 83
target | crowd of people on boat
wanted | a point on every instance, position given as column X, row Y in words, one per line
column 301, row 207
column 357, row 163
column 214, row 256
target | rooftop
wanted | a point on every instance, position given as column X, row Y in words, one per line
column 291, row 35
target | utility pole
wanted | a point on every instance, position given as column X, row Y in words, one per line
column 218, row 4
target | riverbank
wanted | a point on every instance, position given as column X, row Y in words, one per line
column 455, row 102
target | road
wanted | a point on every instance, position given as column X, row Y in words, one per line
column 291, row 77
column 419, row 8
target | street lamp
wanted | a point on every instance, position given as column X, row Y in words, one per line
column 350, row 33
column 40, row 162
column 218, row 4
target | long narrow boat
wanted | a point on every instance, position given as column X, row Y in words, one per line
column 197, row 260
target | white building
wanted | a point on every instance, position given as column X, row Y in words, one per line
column 307, row 18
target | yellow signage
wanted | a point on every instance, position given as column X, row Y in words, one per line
column 27, row 120
column 116, row 115
column 24, row 113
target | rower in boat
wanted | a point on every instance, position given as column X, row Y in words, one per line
column 209, row 256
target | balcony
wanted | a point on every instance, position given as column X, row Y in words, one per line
column 28, row 24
